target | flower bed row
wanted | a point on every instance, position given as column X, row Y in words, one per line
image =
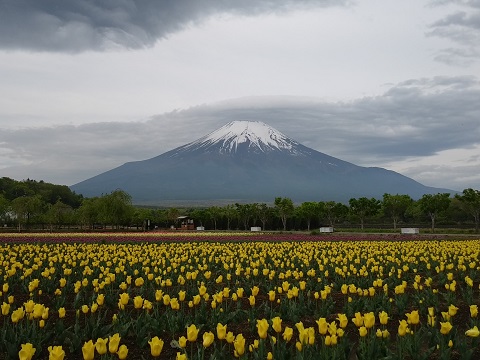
column 247, row 299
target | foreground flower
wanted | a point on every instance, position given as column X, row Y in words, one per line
column 262, row 327
column 276, row 324
column 221, row 331
column 474, row 332
column 101, row 346
column 473, row 311
column 369, row 320
column 239, row 345
column 122, row 352
column 322, row 326
column 113, row 342
column 403, row 328
column 56, row 353
column 156, row 346
column 343, row 320
column 413, row 317
column 208, row 338
column 26, row 352
column 192, row 333
column 88, row 350
column 383, row 317
column 445, row 327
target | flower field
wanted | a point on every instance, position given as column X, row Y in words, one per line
column 237, row 295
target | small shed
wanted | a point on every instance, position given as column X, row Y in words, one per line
column 186, row 223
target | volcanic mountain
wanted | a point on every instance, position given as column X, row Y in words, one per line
column 246, row 161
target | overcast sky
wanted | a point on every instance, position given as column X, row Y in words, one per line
column 86, row 85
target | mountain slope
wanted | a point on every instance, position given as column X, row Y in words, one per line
column 247, row 162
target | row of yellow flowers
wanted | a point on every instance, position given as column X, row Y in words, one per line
column 63, row 294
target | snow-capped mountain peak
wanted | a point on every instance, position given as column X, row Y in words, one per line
column 254, row 136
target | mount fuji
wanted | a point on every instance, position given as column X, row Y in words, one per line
column 247, row 161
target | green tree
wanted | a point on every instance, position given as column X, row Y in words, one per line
column 230, row 213
column 58, row 214
column 264, row 214
column 200, row 216
column 285, row 209
column 4, row 209
column 470, row 200
column 25, row 208
column 334, row 212
column 364, row 207
column 395, row 206
column 244, row 214
column 116, row 208
column 308, row 211
column 215, row 213
column 434, row 204
column 88, row 214
column 172, row 216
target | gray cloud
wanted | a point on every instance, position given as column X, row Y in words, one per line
column 413, row 119
column 462, row 28
column 80, row 25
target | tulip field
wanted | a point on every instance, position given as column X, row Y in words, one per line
column 238, row 295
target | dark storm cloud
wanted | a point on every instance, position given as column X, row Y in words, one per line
column 463, row 28
column 79, row 25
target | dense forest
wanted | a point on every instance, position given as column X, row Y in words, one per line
column 34, row 205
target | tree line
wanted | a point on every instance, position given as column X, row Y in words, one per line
column 31, row 204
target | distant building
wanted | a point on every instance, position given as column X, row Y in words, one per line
column 186, row 223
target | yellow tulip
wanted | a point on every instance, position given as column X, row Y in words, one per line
column 369, row 320
column 251, row 300
column 181, row 356
column 192, row 333
column 322, row 326
column 124, row 298
column 100, row 299
column 358, row 319
column 122, row 352
column 383, row 317
column 221, row 331
column 473, row 311
column 362, row 331
column 61, row 312
column 101, row 345
column 26, row 352
column 88, row 350
column 29, row 305
column 17, row 315
column 38, row 310
column 452, row 310
column 5, row 308
column 56, row 353
column 271, row 295
column 403, row 328
column 277, row 324
column 182, row 342
column 230, row 337
column 413, row 317
column 445, row 327
column 239, row 345
column 113, row 343
column 474, row 332
column 262, row 328
column 156, row 346
column 208, row 338
column 343, row 320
